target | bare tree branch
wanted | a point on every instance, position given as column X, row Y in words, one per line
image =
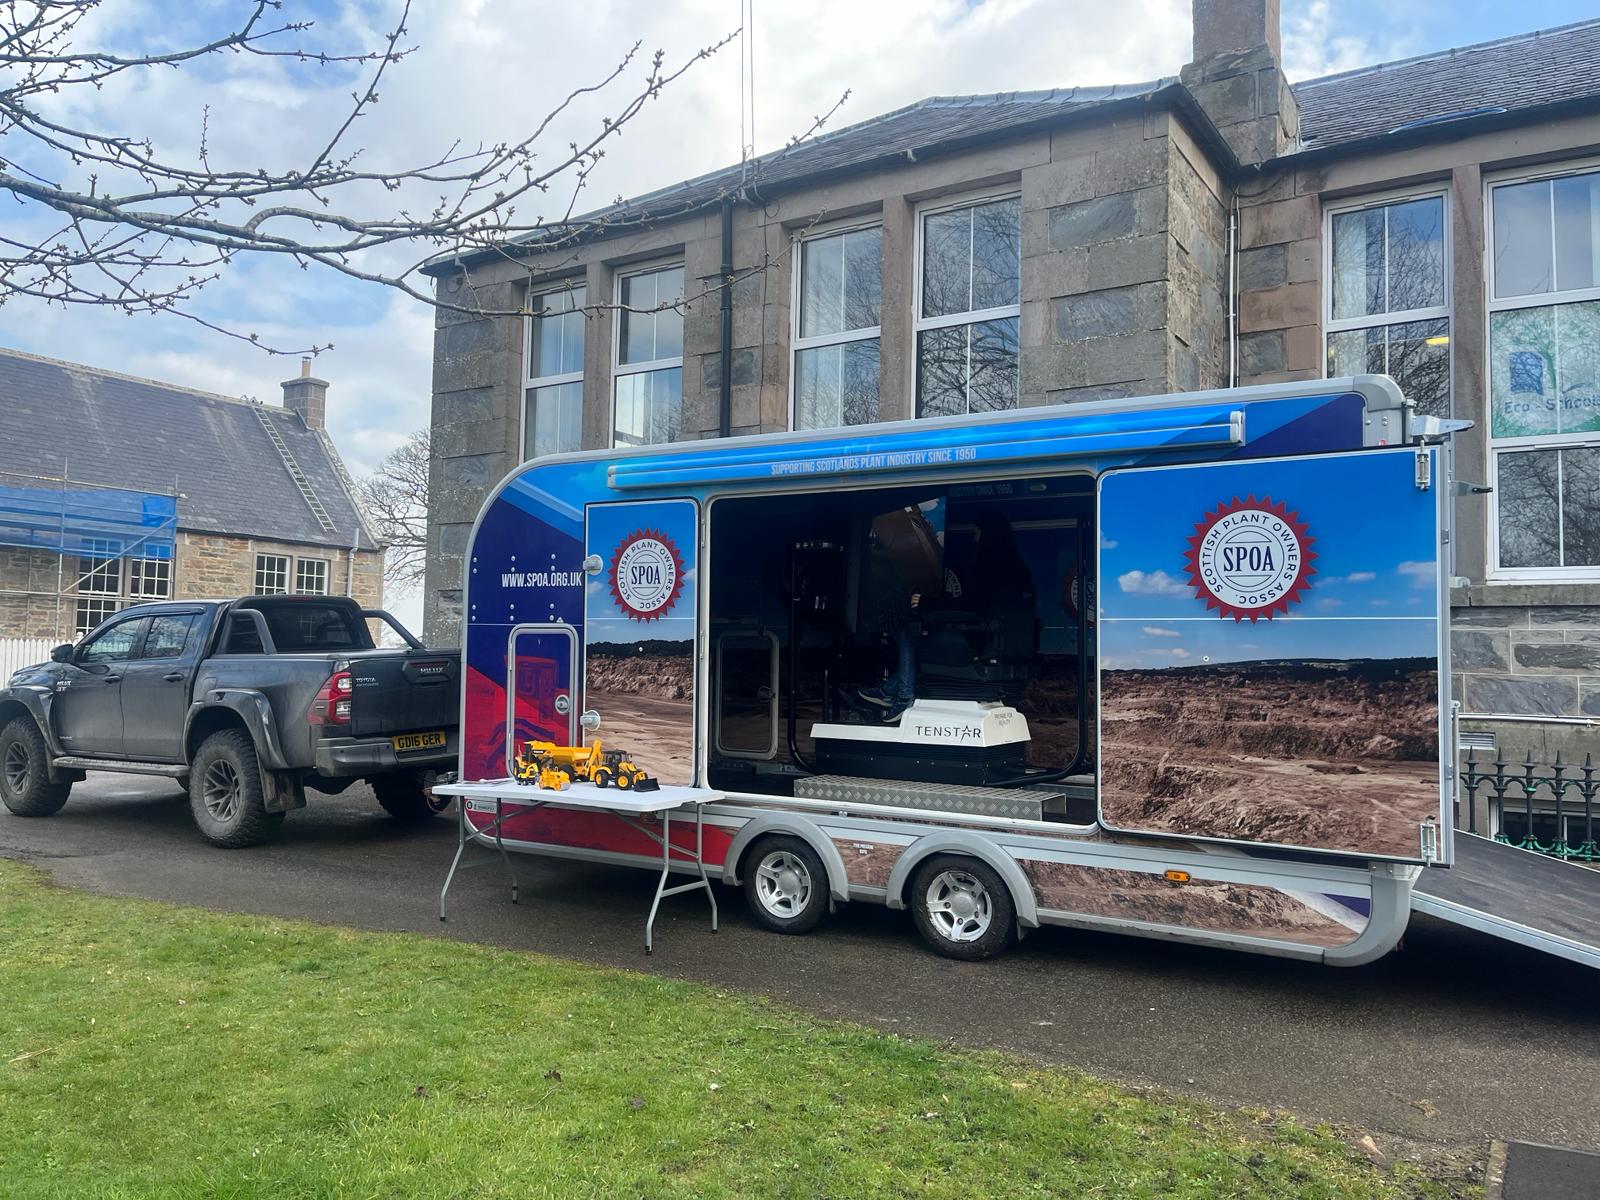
column 395, row 498
column 141, row 231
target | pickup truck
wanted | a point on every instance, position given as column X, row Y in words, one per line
column 246, row 702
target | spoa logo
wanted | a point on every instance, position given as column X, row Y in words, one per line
column 1250, row 558
column 646, row 575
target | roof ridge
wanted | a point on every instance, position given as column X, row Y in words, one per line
column 123, row 375
column 1448, row 52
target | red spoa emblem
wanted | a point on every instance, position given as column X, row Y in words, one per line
column 1250, row 558
column 646, row 575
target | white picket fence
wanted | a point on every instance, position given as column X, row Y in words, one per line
column 22, row 652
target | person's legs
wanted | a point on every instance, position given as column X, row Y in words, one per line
column 900, row 688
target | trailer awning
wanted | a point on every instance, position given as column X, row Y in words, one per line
column 94, row 522
column 956, row 446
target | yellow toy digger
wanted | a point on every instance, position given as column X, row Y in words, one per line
column 553, row 767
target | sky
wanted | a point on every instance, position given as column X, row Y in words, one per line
column 1372, row 584
column 485, row 70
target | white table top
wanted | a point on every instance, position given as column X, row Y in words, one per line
column 583, row 795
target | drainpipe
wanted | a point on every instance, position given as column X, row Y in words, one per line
column 350, row 567
column 1233, row 294
column 725, row 358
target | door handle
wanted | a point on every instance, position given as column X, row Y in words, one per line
column 173, row 677
column 112, row 678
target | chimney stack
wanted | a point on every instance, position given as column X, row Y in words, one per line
column 308, row 396
column 1237, row 77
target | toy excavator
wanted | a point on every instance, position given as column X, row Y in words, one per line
column 553, row 767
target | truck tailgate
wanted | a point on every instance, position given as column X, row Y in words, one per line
column 403, row 691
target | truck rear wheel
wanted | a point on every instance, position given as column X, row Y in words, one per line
column 226, row 798
column 408, row 796
column 962, row 907
column 25, row 785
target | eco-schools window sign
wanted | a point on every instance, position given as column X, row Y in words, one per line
column 1544, row 370
column 639, row 631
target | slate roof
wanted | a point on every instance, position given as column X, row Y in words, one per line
column 1495, row 80
column 935, row 125
column 1511, row 75
column 103, row 428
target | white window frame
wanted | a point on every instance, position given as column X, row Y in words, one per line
column 1437, row 312
column 1540, row 441
column 530, row 380
column 798, row 343
column 143, row 591
column 288, row 573
column 620, row 368
column 327, row 571
column 921, row 324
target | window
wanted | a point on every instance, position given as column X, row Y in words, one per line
column 649, row 357
column 969, row 306
column 167, row 635
column 300, row 626
column 272, row 574
column 150, row 578
column 838, row 285
column 115, row 644
column 243, row 636
column 1387, row 307
column 552, row 414
column 1544, row 374
column 92, row 610
column 311, row 576
column 100, row 574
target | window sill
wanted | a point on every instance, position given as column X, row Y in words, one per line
column 1525, row 593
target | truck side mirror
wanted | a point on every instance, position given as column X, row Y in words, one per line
column 62, row 653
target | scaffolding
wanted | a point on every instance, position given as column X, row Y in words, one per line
column 48, row 523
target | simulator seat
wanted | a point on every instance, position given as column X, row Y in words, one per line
column 979, row 656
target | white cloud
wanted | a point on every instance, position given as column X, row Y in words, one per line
column 1157, row 631
column 1151, row 583
column 1353, row 577
column 1421, row 574
column 1107, row 544
column 1330, row 603
column 1314, row 44
column 1180, row 652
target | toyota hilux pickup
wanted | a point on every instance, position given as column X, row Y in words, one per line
column 248, row 703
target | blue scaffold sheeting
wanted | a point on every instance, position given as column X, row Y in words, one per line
column 93, row 522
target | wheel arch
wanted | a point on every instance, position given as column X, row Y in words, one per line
column 791, row 825
column 971, row 845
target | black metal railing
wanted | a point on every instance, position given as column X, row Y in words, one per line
column 1526, row 798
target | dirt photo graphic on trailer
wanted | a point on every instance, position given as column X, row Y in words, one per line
column 639, row 632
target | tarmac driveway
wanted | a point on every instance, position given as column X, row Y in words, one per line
column 1454, row 1039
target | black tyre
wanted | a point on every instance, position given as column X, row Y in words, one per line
column 962, row 907
column 25, row 785
column 225, row 793
column 602, row 777
column 408, row 795
column 624, row 781
column 785, row 884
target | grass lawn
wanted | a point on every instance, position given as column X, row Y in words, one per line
column 151, row 1050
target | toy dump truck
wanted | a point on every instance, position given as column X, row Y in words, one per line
column 554, row 767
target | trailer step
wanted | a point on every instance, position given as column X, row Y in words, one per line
column 124, row 765
column 1029, row 805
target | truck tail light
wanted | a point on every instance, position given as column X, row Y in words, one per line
column 332, row 703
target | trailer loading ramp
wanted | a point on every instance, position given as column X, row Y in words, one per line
column 1515, row 894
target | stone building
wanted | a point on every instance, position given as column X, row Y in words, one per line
column 115, row 489
column 1436, row 218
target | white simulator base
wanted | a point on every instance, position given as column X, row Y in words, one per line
column 974, row 724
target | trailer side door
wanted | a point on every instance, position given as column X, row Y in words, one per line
column 1273, row 664
column 640, row 642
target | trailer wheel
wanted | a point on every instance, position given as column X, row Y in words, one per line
column 25, row 785
column 786, row 885
column 408, row 795
column 225, row 794
column 962, row 907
